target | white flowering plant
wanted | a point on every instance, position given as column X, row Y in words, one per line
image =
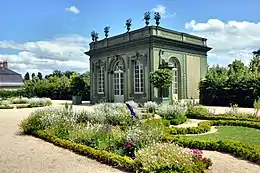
column 150, row 106
column 165, row 157
column 175, row 113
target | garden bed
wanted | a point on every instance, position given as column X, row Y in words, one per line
column 112, row 135
column 24, row 102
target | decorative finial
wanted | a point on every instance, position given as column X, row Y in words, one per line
column 157, row 18
column 128, row 24
column 96, row 36
column 147, row 18
column 106, row 30
column 93, row 34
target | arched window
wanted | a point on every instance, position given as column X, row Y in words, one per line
column 138, row 77
column 118, row 79
column 101, row 80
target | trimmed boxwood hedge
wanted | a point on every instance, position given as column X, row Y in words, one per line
column 219, row 117
column 232, row 147
column 205, row 126
column 121, row 162
column 19, row 106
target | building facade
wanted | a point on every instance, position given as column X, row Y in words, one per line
column 120, row 65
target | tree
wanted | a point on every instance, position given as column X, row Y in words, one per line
column 39, row 75
column 254, row 65
column 33, row 75
column 86, row 78
column 77, row 85
column 161, row 79
column 27, row 76
column 57, row 73
column 68, row 73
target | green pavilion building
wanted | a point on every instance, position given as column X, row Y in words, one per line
column 120, row 65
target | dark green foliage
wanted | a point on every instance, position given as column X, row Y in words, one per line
column 77, row 85
column 33, row 75
column 56, row 86
column 39, row 75
column 236, row 84
column 179, row 119
column 27, row 76
column 161, row 79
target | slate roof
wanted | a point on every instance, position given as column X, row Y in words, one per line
column 10, row 78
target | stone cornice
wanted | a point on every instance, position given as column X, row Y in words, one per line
column 156, row 41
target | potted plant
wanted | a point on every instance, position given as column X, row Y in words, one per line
column 77, row 87
column 161, row 79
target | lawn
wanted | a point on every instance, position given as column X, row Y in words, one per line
column 242, row 134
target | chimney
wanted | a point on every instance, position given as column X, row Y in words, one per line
column 1, row 64
column 5, row 64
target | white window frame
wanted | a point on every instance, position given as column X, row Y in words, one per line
column 101, row 80
column 138, row 67
column 175, row 78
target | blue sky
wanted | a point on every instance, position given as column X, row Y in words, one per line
column 43, row 35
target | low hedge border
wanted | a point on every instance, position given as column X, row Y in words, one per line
column 238, row 149
column 205, row 126
column 20, row 106
column 219, row 117
column 121, row 162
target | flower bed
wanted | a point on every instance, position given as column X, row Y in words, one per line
column 23, row 102
column 111, row 134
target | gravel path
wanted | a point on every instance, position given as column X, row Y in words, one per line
column 26, row 154
column 225, row 163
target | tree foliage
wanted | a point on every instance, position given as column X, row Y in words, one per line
column 235, row 84
column 161, row 78
column 58, row 85
column 27, row 76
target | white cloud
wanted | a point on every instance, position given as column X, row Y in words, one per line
column 229, row 40
column 61, row 53
column 73, row 9
column 163, row 12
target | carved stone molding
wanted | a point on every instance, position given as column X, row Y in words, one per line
column 137, row 96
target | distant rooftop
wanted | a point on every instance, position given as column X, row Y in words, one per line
column 9, row 77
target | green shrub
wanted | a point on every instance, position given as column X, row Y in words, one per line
column 150, row 106
column 175, row 113
column 32, row 124
column 181, row 118
column 203, row 127
column 197, row 111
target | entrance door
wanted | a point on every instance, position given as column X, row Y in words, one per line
column 175, row 85
column 119, row 86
